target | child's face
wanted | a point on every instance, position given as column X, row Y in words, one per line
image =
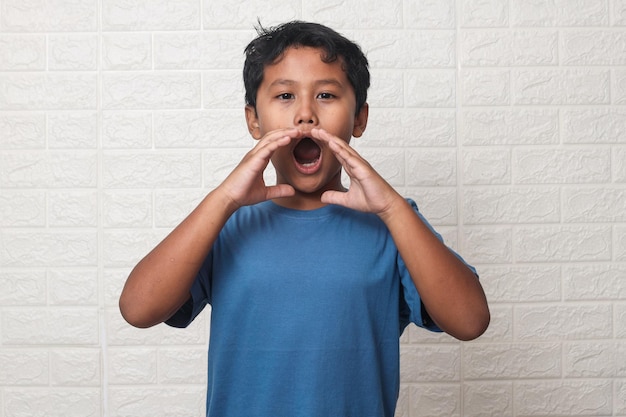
column 302, row 91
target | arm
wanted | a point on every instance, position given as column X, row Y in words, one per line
column 449, row 290
column 159, row 285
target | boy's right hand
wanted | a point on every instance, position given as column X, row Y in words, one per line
column 160, row 283
column 245, row 184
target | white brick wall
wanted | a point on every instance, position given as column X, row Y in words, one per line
column 504, row 119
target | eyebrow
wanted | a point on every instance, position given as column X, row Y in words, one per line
column 322, row 82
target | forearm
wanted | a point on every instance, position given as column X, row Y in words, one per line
column 449, row 290
column 161, row 281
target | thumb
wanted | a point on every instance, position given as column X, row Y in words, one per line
column 335, row 197
column 279, row 190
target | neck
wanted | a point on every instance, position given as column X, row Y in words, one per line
column 301, row 201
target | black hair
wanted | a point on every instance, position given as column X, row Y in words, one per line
column 272, row 42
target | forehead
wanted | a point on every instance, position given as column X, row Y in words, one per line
column 302, row 64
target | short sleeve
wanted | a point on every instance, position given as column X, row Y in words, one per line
column 412, row 309
column 199, row 298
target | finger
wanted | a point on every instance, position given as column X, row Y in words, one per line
column 346, row 155
column 279, row 134
column 279, row 191
column 264, row 150
column 335, row 197
column 324, row 136
column 353, row 164
column 276, row 139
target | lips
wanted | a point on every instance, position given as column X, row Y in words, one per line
column 307, row 154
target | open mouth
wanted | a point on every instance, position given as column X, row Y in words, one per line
column 307, row 153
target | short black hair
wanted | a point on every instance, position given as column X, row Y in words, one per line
column 272, row 42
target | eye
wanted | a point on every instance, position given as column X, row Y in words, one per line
column 284, row 96
column 326, row 96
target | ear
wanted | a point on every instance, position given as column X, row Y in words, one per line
column 252, row 120
column 360, row 121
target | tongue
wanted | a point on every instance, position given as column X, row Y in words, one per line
column 306, row 151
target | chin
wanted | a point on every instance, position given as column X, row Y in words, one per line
column 308, row 190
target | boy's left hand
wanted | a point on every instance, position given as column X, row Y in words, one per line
column 451, row 293
column 368, row 192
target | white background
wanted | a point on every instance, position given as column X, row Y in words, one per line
column 504, row 119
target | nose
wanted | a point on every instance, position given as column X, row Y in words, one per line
column 305, row 114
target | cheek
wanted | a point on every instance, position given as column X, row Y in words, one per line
column 281, row 156
column 269, row 120
column 343, row 126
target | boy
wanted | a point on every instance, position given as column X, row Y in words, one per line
column 310, row 284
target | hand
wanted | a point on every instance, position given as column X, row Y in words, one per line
column 368, row 192
column 245, row 185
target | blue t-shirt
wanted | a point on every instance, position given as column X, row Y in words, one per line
column 307, row 311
